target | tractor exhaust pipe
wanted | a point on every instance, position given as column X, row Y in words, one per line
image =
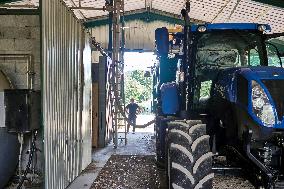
column 187, row 65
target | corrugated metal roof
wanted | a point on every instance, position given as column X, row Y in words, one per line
column 86, row 14
column 215, row 11
column 212, row 11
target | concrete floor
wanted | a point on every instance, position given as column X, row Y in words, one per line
column 140, row 143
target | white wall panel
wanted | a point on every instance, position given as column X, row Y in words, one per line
column 138, row 34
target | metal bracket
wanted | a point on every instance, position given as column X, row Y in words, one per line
column 247, row 147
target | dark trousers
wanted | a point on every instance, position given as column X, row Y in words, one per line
column 132, row 120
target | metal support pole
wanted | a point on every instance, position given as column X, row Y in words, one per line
column 116, row 55
column 110, row 43
column 122, row 68
column 116, row 31
column 187, row 68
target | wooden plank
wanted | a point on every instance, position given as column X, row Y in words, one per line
column 95, row 115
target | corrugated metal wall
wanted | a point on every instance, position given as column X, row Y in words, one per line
column 87, row 105
column 66, row 89
column 138, row 34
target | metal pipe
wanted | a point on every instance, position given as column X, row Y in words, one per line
column 21, row 141
column 233, row 10
column 19, row 6
column 221, row 10
column 88, row 8
column 74, row 5
column 30, row 66
column 187, row 67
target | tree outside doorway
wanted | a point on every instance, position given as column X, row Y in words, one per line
column 138, row 86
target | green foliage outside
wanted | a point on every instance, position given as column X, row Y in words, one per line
column 205, row 89
column 273, row 59
column 137, row 86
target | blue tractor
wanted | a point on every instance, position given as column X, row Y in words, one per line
column 219, row 90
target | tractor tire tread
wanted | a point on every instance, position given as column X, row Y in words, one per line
column 190, row 159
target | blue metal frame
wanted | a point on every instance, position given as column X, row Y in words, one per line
column 230, row 26
column 258, row 74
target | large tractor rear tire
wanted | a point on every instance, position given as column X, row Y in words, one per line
column 189, row 157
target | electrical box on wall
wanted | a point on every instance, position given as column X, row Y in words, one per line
column 22, row 110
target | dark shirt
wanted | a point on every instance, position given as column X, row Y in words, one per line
column 132, row 109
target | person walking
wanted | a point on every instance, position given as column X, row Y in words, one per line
column 132, row 109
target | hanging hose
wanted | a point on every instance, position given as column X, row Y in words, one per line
column 33, row 148
column 98, row 47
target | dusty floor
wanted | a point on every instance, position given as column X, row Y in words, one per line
column 231, row 182
column 133, row 167
column 141, row 172
column 127, row 171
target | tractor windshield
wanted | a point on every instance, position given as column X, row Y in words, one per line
column 229, row 49
column 224, row 49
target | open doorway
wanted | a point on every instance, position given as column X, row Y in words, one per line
column 139, row 85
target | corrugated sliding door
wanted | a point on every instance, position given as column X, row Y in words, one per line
column 66, row 90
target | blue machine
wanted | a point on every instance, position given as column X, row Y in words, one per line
column 169, row 98
column 228, row 77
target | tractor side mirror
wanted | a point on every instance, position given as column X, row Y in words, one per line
column 147, row 74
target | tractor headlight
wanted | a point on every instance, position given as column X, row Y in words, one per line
column 261, row 105
column 202, row 29
column 262, row 28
